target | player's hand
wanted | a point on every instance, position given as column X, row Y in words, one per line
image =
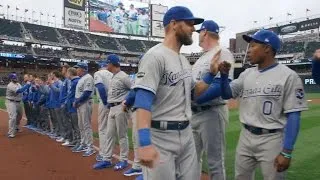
column 281, row 163
column 224, row 67
column 316, row 55
column 148, row 156
column 28, row 82
column 214, row 65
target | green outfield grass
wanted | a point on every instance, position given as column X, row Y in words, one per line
column 306, row 158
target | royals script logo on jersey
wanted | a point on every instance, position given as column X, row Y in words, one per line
column 268, row 90
column 172, row 79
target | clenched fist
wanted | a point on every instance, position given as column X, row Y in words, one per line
column 224, row 67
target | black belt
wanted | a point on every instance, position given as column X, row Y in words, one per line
column 13, row 100
column 114, row 104
column 169, row 125
column 197, row 109
column 260, row 131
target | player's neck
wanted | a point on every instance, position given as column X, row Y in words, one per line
column 209, row 45
column 267, row 63
column 172, row 43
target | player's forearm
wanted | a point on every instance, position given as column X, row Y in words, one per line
column 316, row 71
column 24, row 88
column 291, row 131
column 84, row 97
column 226, row 92
column 102, row 93
column 130, row 98
column 203, row 85
column 211, row 93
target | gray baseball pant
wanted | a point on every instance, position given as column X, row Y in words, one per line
column 103, row 114
column 14, row 110
column 117, row 125
column 84, row 121
column 136, row 161
column 209, row 135
column 178, row 159
column 53, row 119
column 254, row 150
column 76, row 137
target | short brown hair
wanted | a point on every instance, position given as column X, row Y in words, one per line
column 72, row 71
column 66, row 66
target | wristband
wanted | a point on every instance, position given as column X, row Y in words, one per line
column 208, row 78
column 144, row 137
column 286, row 155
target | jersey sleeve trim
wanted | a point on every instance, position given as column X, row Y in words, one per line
column 145, row 88
column 296, row 110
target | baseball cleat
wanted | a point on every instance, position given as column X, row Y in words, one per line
column 99, row 158
column 66, row 143
column 11, row 136
column 81, row 148
column 133, row 172
column 121, row 165
column 61, row 139
column 102, row 165
column 89, row 152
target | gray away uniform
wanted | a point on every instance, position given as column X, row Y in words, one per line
column 14, row 107
column 168, row 75
column 264, row 99
column 102, row 76
column 119, row 88
column 209, row 119
column 84, row 111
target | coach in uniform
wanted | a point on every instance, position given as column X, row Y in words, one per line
column 101, row 81
column 25, row 99
column 119, row 87
column 83, row 103
column 210, row 118
column 316, row 66
column 163, row 101
column 271, row 97
column 13, row 99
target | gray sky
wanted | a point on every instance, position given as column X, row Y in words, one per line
column 236, row 16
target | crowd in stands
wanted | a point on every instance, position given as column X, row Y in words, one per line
column 13, row 49
column 132, row 45
column 75, row 37
column 292, row 47
column 105, row 42
column 10, row 28
column 42, row 33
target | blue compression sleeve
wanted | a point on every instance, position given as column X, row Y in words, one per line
column 84, row 97
column 208, row 78
column 226, row 92
column 144, row 99
column 291, row 130
column 102, row 93
column 316, row 71
column 24, row 88
column 212, row 92
column 130, row 98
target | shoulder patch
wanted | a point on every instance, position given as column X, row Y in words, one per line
column 140, row 74
column 299, row 93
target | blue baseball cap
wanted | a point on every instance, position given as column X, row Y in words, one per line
column 210, row 26
column 113, row 59
column 13, row 76
column 102, row 63
column 266, row 37
column 81, row 65
column 180, row 13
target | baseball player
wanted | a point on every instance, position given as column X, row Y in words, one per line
column 13, row 99
column 316, row 66
column 55, row 84
column 119, row 19
column 76, row 139
column 42, row 103
column 163, row 100
column 271, row 97
column 209, row 118
column 83, row 103
column 118, row 89
column 64, row 115
column 101, row 81
column 143, row 21
column 30, row 97
column 132, row 20
column 35, row 104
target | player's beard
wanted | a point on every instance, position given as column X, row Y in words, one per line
column 184, row 38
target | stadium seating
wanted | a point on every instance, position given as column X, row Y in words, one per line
column 132, row 45
column 150, row 44
column 311, row 47
column 292, row 47
column 51, row 53
column 104, row 42
column 13, row 49
column 10, row 28
column 42, row 33
column 75, row 37
column 85, row 55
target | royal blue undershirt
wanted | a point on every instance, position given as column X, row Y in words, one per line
column 226, row 92
column 130, row 98
column 24, row 88
column 143, row 99
column 102, row 93
column 84, row 97
column 291, row 130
